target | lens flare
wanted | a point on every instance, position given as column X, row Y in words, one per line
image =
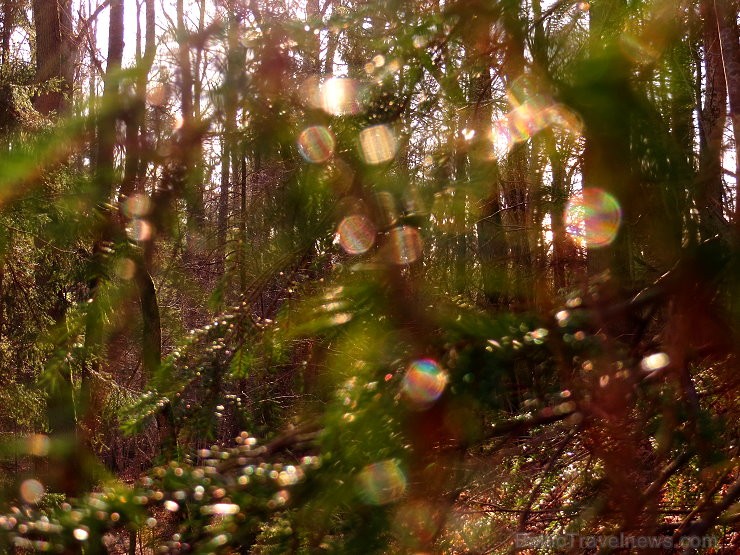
column 529, row 118
column 424, row 382
column 415, row 522
column 32, row 491
column 137, row 206
column 524, row 121
column 356, row 234
column 404, row 245
column 501, row 140
column 316, row 144
column 220, row 509
column 593, row 217
column 139, row 230
column 656, row 361
column 388, row 208
column 157, row 95
column 637, row 49
column 378, row 144
column 382, row 482
column 564, row 118
column 125, row 268
column 38, row 445
column 339, row 96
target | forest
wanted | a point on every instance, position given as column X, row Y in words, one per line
column 369, row 276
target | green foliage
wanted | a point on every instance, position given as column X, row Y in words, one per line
column 377, row 275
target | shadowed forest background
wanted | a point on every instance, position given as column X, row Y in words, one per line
column 343, row 276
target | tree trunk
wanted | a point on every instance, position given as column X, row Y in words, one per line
column 104, row 178
column 8, row 26
column 485, row 176
column 606, row 158
column 515, row 172
column 106, row 125
column 728, row 33
column 712, row 118
column 185, row 67
column 228, row 138
column 562, row 249
column 54, row 54
column 136, row 160
column 312, row 57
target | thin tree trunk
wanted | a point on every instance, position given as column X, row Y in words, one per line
column 227, row 148
column 312, row 58
column 196, row 211
column 185, row 67
column 562, row 249
column 712, row 120
column 492, row 241
column 223, row 204
column 136, row 162
column 728, row 33
column 104, row 179
column 8, row 26
column 106, row 128
column 515, row 186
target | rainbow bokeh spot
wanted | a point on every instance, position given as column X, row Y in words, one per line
column 424, row 382
column 404, row 245
column 382, row 482
column 316, row 144
column 378, row 144
column 356, row 234
column 593, row 217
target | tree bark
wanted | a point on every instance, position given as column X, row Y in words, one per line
column 607, row 106
column 54, row 54
column 136, row 160
column 8, row 26
column 728, row 33
column 484, row 172
column 227, row 148
column 515, row 168
column 713, row 114
column 106, row 125
column 104, row 179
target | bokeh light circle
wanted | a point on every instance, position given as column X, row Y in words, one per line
column 32, row 491
column 382, row 482
column 656, row 361
column 316, row 144
column 378, row 144
column 38, row 445
column 139, row 230
column 524, row 122
column 415, row 523
column 404, row 245
column 593, row 217
column 339, row 96
column 356, row 234
column 424, row 382
column 137, row 206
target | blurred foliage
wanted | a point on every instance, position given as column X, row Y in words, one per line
column 457, row 267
